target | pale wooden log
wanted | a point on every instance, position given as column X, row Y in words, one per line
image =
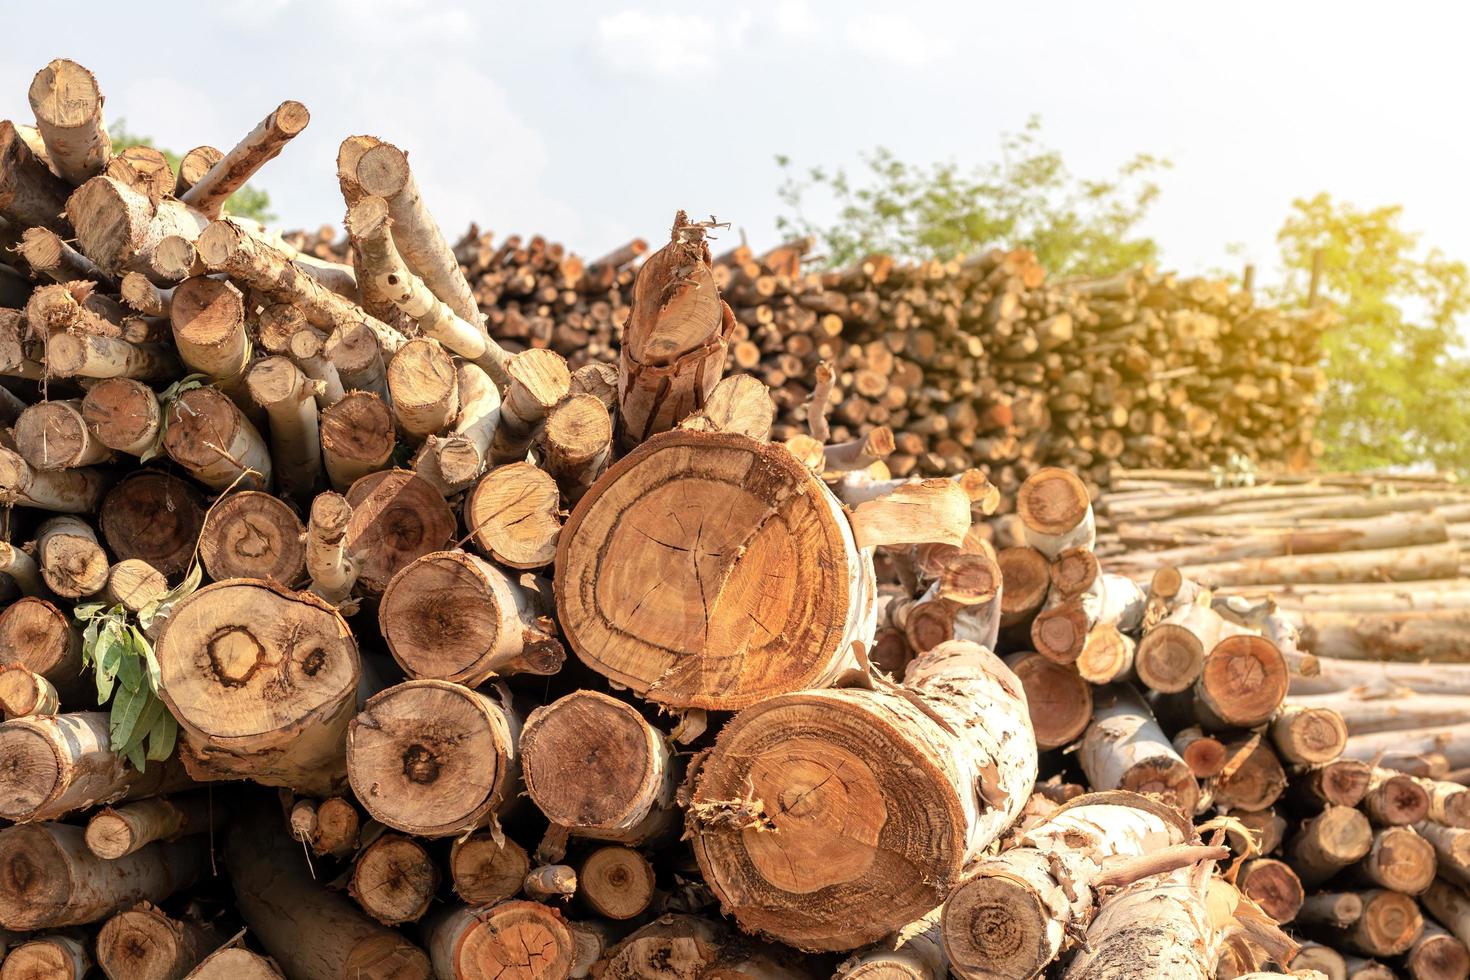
column 434, row 781
column 1252, row 779
column 21, row 569
column 1172, row 653
column 673, row 350
column 72, row 561
column 1106, row 656
column 305, row 348
column 57, row 764
column 337, row 828
column 466, row 452
column 672, row 944
column 594, row 766
column 236, row 963
column 539, row 379
column 226, row 247
column 144, row 943
column 1124, row 748
column 332, row 570
column 859, row 454
column 48, row 878
column 485, row 871
column 978, row 769
column 88, row 356
column 1320, row 959
column 616, row 883
column 739, row 403
column 383, row 172
column 915, row 952
column 53, row 435
column 40, row 637
column 68, row 107
column 122, row 230
column 355, row 353
column 357, row 438
column 1341, row 782
column 694, row 562
column 396, row 518
column 503, row 940
column 24, row 693
column 1366, row 711
column 1359, row 968
column 1438, row 635
column 1400, row 860
column 368, row 223
column 1389, row 925
column 212, row 439
column 1056, row 512
column 1307, row 735
column 935, row 510
column 1026, row 574
column 54, row 957
column 394, row 879
column 453, row 616
column 423, row 389
column 1437, row 955
column 1404, row 564
column 253, row 535
column 1337, row 909
column 513, row 516
column 115, row 832
column 1394, row 799
column 1204, row 754
column 1382, row 679
column 1450, row 905
column 1327, row 843
column 315, row 933
column 47, row 253
column 550, row 882
column 30, row 194
column 208, row 321
column 262, row 144
column 123, row 415
column 289, row 399
column 1447, row 740
column 226, row 644
column 20, row 353
column 576, row 443
column 1075, row 571
column 1014, row 912
column 138, row 292
column 1451, row 848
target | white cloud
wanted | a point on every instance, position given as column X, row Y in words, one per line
column 894, row 38
column 638, row 42
column 794, row 19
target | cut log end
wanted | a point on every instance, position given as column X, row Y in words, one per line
column 1053, row 501
column 616, row 882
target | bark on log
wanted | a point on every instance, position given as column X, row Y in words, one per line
column 1124, row 748
column 1308, row 735
column 708, row 570
column 263, row 682
column 21, row 569
column 1056, row 512
column 1388, row 926
column 261, row 145
column 30, row 194
column 594, row 766
column 1436, row 636
column 24, row 693
column 315, row 933
column 1386, row 564
column 236, row 963
column 115, row 832
column 155, row 517
column 951, row 749
column 464, row 454
column 513, row 515
column 64, row 491
column 394, row 879
column 915, row 952
column 576, row 443
column 437, row 780
column 673, row 350
column 331, row 569
column 396, row 518
column 36, row 635
column 72, row 562
column 1171, row 655
column 145, row 943
column 253, row 535
column 675, row 947
column 512, row 940
column 122, row 230
column 48, row 878
column 71, row 355
column 1329, row 842
column 289, row 400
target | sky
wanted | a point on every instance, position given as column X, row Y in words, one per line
column 591, row 123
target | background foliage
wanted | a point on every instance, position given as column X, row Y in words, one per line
column 247, row 202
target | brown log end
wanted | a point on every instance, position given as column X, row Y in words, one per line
column 253, row 535
column 997, row 926
column 397, row 517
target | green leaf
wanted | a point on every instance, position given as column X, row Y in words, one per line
column 127, row 708
column 150, row 659
column 86, row 611
column 162, row 736
column 108, row 657
column 135, row 756
column 89, row 641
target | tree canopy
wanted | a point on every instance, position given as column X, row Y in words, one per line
column 1397, row 372
column 247, row 202
column 1027, row 198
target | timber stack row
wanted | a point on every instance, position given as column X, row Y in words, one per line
column 342, row 640
column 982, row 362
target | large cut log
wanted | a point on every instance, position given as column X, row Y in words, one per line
column 673, row 350
column 263, row 682
column 145, row 943
column 1124, row 748
column 394, row 879
column 53, row 435
column 1056, row 512
column 950, row 752
column 52, row 765
column 122, row 230
column 208, row 435
column 396, row 519
column 709, row 570
column 253, row 535
column 114, row 832
column 315, row 933
column 153, row 516
column 68, row 107
column 48, row 878
column 456, row 617
column 513, row 515
column 1243, row 683
column 438, row 778
column 594, row 766
column 123, row 414
column 36, row 635
column 73, row 564
column 512, row 939
column 1172, row 653
column 1329, row 842
column 261, row 145
column 30, row 194
column 1014, row 913
column 487, row 871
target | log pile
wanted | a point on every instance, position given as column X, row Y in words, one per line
column 342, row 640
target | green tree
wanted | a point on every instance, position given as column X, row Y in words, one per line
column 1027, row 198
column 247, row 202
column 1398, row 378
